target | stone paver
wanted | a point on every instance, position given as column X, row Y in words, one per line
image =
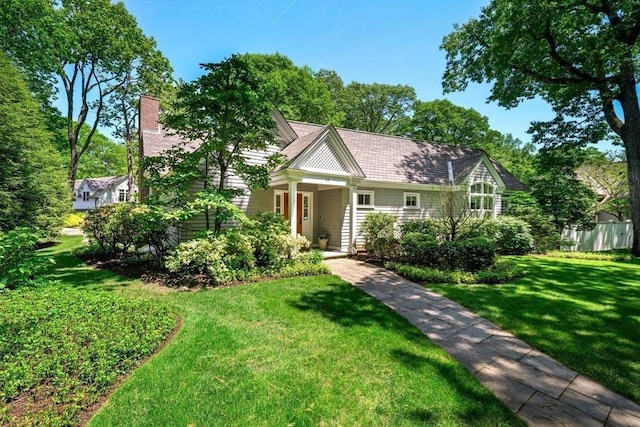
column 539, row 389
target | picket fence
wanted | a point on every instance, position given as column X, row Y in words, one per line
column 604, row 237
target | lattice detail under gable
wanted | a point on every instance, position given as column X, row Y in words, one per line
column 326, row 157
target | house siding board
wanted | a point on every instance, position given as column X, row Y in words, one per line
column 333, row 216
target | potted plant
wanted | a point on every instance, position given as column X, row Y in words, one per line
column 323, row 241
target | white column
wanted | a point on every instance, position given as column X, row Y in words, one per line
column 293, row 206
column 353, row 207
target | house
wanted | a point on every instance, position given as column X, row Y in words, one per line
column 91, row 193
column 340, row 175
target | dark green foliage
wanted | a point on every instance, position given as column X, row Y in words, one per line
column 427, row 227
column 470, row 255
column 385, row 248
column 524, row 206
column 511, row 235
column 19, row 265
column 121, row 228
column 502, row 271
column 420, row 249
column 67, row 347
column 32, row 179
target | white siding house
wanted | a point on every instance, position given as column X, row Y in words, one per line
column 340, row 175
column 91, row 193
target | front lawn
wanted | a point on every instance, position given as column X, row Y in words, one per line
column 584, row 313
column 303, row 351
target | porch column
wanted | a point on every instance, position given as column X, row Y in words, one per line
column 353, row 207
column 293, row 206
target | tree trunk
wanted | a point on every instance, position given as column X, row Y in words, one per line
column 129, row 145
column 630, row 134
column 73, row 170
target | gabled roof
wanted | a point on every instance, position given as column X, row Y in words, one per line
column 99, row 185
column 395, row 159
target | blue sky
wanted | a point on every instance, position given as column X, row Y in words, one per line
column 392, row 42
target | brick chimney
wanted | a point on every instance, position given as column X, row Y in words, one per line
column 149, row 113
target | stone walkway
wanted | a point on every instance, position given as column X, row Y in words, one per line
column 536, row 387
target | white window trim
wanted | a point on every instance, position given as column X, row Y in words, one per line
column 404, row 198
column 482, row 211
column 275, row 206
column 372, row 198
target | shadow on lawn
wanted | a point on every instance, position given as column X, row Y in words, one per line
column 348, row 306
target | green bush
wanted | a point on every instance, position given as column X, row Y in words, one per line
column 19, row 264
column 596, row 256
column 272, row 241
column 419, row 249
column 377, row 225
column 385, row 248
column 468, row 255
column 122, row 228
column 91, row 251
column 73, row 220
column 501, row 272
column 512, row 236
column 545, row 235
column 428, row 228
column 202, row 256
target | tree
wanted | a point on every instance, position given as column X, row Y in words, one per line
column 151, row 73
column 376, row 107
column 606, row 173
column 226, row 113
column 559, row 192
column 103, row 158
column 32, row 190
column 455, row 211
column 579, row 55
column 87, row 46
column 294, row 90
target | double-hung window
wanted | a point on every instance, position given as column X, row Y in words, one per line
column 412, row 200
column 482, row 199
column 365, row 199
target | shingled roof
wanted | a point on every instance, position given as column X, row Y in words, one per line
column 396, row 159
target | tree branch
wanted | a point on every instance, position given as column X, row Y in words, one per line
column 610, row 115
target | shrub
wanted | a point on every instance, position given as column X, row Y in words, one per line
column 19, row 264
column 201, row 256
column 73, row 220
column 419, row 249
column 271, row 239
column 596, row 256
column 502, row 271
column 124, row 227
column 475, row 254
column 430, row 275
column 512, row 236
column 91, row 251
column 377, row 225
column 385, row 248
column 428, row 228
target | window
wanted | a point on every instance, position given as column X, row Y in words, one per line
column 122, row 195
column 365, row 199
column 481, row 199
column 278, row 203
column 85, row 196
column 412, row 200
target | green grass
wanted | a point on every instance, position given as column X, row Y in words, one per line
column 304, row 351
column 64, row 344
column 584, row 313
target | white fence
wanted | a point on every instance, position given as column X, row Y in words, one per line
column 606, row 236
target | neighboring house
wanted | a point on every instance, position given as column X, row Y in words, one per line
column 340, row 175
column 91, row 193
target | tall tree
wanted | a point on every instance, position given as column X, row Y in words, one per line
column 376, row 107
column 579, row 55
column 85, row 46
column 293, row 90
column 150, row 73
column 32, row 190
column 559, row 191
column 226, row 114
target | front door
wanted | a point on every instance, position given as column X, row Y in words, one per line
column 304, row 223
